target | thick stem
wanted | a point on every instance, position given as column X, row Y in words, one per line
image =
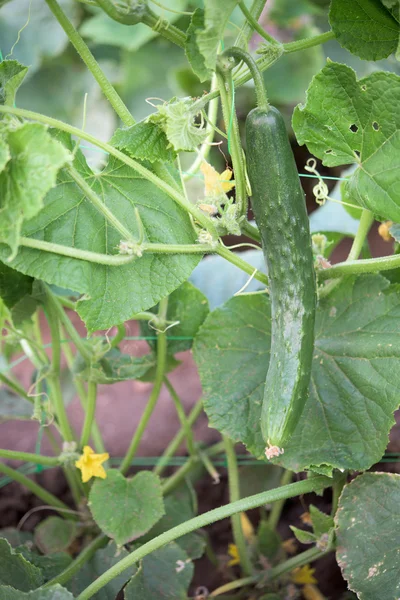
column 182, row 417
column 135, row 165
column 251, row 231
column 240, row 55
column 313, row 484
column 247, row 30
column 166, row 29
column 234, row 145
column 90, row 409
column 36, row 489
column 91, row 63
column 100, row 206
column 173, row 446
column 253, row 22
column 121, row 333
column 277, row 507
column 234, row 495
column 76, row 565
column 366, row 220
column 155, row 392
column 15, row 387
column 315, row 40
column 48, row 461
column 357, row 267
column 241, row 264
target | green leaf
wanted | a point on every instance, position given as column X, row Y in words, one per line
column 368, row 535
column 112, row 295
column 113, row 367
column 259, row 478
column 15, row 537
column 367, row 134
column 177, row 119
column 12, row 74
column 55, row 592
column 304, row 537
column 13, row 285
column 29, row 174
column 146, row 141
column 55, row 534
column 126, row 509
column 195, row 58
column 353, row 391
column 103, row 560
column 178, row 509
column 268, row 540
column 16, row 571
column 51, row 565
column 321, row 522
column 187, row 307
column 365, row 28
column 216, row 16
column 164, row 574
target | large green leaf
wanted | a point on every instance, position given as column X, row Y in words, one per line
column 144, row 140
column 55, row 592
column 55, row 534
column 164, row 574
column 35, row 159
column 112, row 294
column 13, row 285
column 365, row 28
column 50, row 565
column 12, row 74
column 367, row 133
column 103, row 560
column 368, row 535
column 17, row 572
column 354, row 387
column 126, row 509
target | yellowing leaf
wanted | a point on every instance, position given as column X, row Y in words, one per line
column 304, row 575
column 216, row 183
column 90, row 464
column 310, row 592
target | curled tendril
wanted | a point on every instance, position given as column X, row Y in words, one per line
column 320, row 190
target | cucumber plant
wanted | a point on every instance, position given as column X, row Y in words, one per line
column 298, row 362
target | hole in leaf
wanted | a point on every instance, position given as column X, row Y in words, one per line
column 375, row 125
column 353, row 128
column 357, row 153
column 364, row 88
column 328, row 151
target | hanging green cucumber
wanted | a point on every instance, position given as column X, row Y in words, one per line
column 280, row 212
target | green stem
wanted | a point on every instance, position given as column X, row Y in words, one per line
column 357, row 267
column 241, row 264
column 135, row 165
column 277, row 507
column 121, row 333
column 300, row 560
column 91, row 63
column 80, row 345
column 173, row 482
column 253, row 22
column 54, row 377
column 240, row 55
column 251, row 231
column 15, row 387
column 35, row 488
column 100, row 206
column 182, row 417
column 234, row 496
column 206, row 145
column 366, row 220
column 76, row 565
column 173, row 446
column 155, row 392
column 315, row 40
column 247, row 30
column 90, row 409
column 313, row 484
column 339, row 482
column 234, row 145
column 49, row 461
column 166, row 29
column 115, row 260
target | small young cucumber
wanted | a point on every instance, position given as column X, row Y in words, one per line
column 280, row 213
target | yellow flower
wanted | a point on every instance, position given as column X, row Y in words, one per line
column 233, row 552
column 310, row 592
column 304, row 575
column 215, row 183
column 90, row 464
column 384, row 232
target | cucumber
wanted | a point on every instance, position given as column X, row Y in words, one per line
column 280, row 213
